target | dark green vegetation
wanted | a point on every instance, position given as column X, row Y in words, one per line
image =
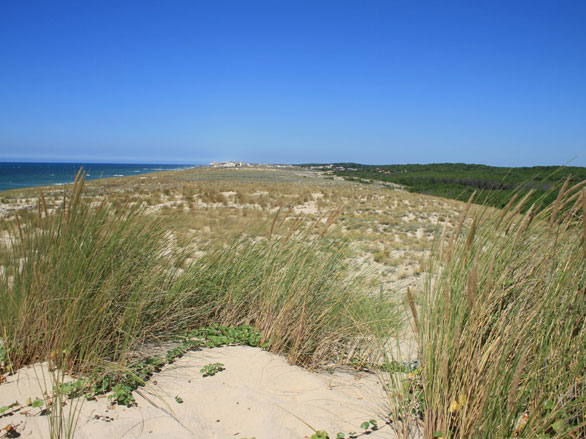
column 495, row 185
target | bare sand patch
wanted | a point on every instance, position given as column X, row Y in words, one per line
column 257, row 395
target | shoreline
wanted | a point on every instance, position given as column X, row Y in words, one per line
column 90, row 177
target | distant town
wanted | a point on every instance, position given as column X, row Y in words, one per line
column 247, row 165
column 321, row 167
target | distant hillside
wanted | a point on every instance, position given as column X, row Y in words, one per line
column 495, row 185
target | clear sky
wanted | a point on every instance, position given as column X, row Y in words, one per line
column 494, row 82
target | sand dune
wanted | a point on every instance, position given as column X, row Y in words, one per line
column 257, row 395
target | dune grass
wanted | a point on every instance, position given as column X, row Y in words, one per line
column 85, row 285
column 75, row 283
column 298, row 288
column 502, row 324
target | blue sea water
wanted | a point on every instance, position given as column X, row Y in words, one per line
column 14, row 175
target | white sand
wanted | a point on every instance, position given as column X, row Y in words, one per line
column 258, row 395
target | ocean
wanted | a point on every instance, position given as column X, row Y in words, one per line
column 14, row 175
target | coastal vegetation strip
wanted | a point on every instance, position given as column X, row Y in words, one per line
column 494, row 185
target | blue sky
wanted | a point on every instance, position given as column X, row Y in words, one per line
column 494, row 82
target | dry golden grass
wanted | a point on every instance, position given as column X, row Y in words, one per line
column 391, row 230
